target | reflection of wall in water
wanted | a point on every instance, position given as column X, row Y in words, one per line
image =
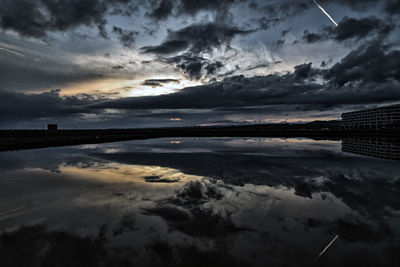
column 386, row 148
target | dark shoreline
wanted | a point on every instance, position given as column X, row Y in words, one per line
column 30, row 139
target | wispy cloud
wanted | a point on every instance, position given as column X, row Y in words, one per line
column 12, row 51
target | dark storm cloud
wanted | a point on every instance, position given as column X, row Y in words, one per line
column 162, row 10
column 392, row 7
column 351, row 28
column 190, row 66
column 289, row 8
column 352, row 230
column 168, row 47
column 117, row 67
column 369, row 74
column 359, row 28
column 126, row 37
column 285, row 32
column 192, row 7
column 264, row 23
column 302, row 71
column 212, row 68
column 159, row 82
column 27, row 74
column 277, row 10
column 158, row 179
column 194, row 67
column 237, row 115
column 198, row 38
column 36, row 17
column 266, row 65
column 239, row 91
column 368, row 64
column 20, row 107
column 280, row 42
column 310, row 37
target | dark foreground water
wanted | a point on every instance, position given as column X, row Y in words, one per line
column 199, row 202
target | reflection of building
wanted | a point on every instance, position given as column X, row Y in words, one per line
column 377, row 118
column 380, row 147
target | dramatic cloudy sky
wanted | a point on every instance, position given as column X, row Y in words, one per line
column 144, row 63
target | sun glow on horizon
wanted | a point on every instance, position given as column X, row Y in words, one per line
column 117, row 88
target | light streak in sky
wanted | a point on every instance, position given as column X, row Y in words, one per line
column 326, row 13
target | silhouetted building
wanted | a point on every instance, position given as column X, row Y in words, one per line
column 385, row 148
column 377, row 118
column 52, row 127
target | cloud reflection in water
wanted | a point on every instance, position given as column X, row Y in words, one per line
column 236, row 201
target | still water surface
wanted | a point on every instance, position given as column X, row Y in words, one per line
column 199, row 202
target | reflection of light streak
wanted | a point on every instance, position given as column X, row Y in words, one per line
column 330, row 244
column 326, row 13
column 5, row 214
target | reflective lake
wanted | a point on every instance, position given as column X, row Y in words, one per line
column 199, row 202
